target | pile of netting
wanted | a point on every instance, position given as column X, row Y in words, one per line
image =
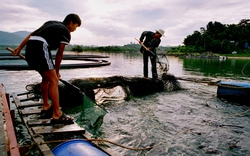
column 169, row 81
column 132, row 86
column 33, row 91
column 70, row 93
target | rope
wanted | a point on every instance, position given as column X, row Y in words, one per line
column 100, row 140
column 178, row 134
column 238, row 114
column 92, row 139
column 242, row 71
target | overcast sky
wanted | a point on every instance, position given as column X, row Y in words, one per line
column 118, row 22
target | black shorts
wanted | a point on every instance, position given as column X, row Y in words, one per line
column 38, row 56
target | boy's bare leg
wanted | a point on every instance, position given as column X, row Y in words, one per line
column 51, row 77
column 45, row 94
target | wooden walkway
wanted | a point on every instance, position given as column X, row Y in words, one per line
column 41, row 131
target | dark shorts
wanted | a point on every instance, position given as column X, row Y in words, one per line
column 38, row 56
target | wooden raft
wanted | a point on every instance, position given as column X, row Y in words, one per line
column 8, row 140
column 29, row 111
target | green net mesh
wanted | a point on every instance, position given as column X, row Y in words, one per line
column 91, row 117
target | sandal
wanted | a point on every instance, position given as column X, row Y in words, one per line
column 46, row 114
column 64, row 119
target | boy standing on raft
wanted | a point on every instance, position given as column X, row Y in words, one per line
column 51, row 35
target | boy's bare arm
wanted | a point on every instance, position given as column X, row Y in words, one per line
column 58, row 60
column 20, row 47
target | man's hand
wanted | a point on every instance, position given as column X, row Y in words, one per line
column 140, row 42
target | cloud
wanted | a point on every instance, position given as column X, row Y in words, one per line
column 112, row 22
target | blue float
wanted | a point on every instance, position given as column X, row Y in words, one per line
column 234, row 91
column 77, row 147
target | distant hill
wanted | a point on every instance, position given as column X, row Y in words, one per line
column 15, row 38
column 22, row 33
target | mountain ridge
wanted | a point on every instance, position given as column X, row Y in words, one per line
column 15, row 38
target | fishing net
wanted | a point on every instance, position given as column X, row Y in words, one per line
column 162, row 63
column 170, row 82
column 34, row 92
column 91, row 117
column 131, row 86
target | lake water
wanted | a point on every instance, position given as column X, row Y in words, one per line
column 192, row 121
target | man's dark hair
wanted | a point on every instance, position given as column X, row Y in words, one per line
column 72, row 17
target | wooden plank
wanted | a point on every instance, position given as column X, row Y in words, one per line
column 25, row 93
column 30, row 111
column 35, row 98
column 46, row 122
column 38, row 122
column 31, row 98
column 11, row 135
column 16, row 100
column 30, row 104
column 43, row 148
column 72, row 128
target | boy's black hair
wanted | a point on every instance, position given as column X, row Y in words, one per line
column 72, row 17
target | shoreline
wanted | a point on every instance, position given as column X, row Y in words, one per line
column 238, row 57
column 213, row 56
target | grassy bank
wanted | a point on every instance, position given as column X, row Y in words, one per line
column 207, row 54
column 237, row 55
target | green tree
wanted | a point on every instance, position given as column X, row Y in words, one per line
column 219, row 38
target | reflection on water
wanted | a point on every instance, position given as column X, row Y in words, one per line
column 229, row 68
column 187, row 122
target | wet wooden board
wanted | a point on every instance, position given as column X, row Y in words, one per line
column 16, row 100
column 38, row 122
column 58, row 129
column 18, row 103
column 30, row 111
column 30, row 105
column 25, row 93
column 31, row 98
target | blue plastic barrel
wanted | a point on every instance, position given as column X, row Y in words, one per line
column 77, row 147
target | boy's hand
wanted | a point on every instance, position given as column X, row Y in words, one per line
column 16, row 52
column 58, row 75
